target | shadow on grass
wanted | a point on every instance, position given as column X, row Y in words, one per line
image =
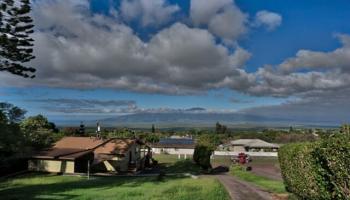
column 181, row 166
column 58, row 189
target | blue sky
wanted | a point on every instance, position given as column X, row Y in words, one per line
column 271, row 49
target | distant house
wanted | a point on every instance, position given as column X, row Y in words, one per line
column 177, row 146
column 251, row 145
column 75, row 154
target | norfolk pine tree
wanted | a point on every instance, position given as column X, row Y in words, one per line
column 15, row 41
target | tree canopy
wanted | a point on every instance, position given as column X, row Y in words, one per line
column 15, row 41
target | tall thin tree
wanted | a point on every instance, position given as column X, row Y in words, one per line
column 16, row 45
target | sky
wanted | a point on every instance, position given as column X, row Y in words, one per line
column 98, row 58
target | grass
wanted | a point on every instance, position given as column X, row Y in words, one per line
column 226, row 160
column 130, row 188
column 171, row 164
column 166, row 158
column 270, row 185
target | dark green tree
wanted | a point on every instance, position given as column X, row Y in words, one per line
column 201, row 156
column 11, row 137
column 220, row 129
column 39, row 132
column 16, row 45
column 153, row 129
column 11, row 113
column 82, row 129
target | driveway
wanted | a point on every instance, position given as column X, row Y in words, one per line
column 241, row 190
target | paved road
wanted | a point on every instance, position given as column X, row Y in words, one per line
column 241, row 190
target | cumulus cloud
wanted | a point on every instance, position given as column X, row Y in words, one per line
column 306, row 59
column 223, row 18
column 150, row 13
column 307, row 72
column 267, row 19
column 79, row 49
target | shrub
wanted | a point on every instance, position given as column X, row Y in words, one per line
column 201, row 156
column 318, row 170
column 333, row 160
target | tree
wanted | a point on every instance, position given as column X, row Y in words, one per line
column 82, row 129
column 153, row 129
column 345, row 128
column 11, row 137
column 11, row 113
column 201, row 156
column 39, row 132
column 15, row 41
column 151, row 138
column 70, row 131
column 220, row 129
column 291, row 130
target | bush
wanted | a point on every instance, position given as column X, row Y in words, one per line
column 318, row 170
column 201, row 156
column 333, row 159
column 12, row 165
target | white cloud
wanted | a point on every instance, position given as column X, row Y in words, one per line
column 85, row 51
column 223, row 18
column 150, row 13
column 201, row 12
column 78, row 49
column 307, row 72
column 270, row 20
column 306, row 59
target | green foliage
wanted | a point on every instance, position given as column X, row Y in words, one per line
column 209, row 140
column 10, row 113
column 201, row 156
column 270, row 185
column 278, row 136
column 317, row 170
column 151, row 138
column 11, row 137
column 345, row 128
column 15, row 43
column 333, row 160
column 153, row 129
column 38, row 131
column 220, row 129
column 121, row 188
column 70, row 131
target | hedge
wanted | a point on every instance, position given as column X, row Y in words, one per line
column 319, row 170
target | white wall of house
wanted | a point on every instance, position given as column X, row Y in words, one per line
column 51, row 166
column 174, row 151
column 234, row 153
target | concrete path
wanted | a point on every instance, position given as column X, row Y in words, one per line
column 241, row 190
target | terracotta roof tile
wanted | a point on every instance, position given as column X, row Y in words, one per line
column 74, row 147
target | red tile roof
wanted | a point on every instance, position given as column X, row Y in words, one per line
column 70, row 148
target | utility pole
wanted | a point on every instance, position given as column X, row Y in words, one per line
column 88, row 170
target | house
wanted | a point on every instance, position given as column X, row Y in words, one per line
column 251, row 145
column 177, row 146
column 77, row 154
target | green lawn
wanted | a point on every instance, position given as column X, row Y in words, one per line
column 270, row 185
column 128, row 188
column 171, row 164
column 166, row 158
column 226, row 160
